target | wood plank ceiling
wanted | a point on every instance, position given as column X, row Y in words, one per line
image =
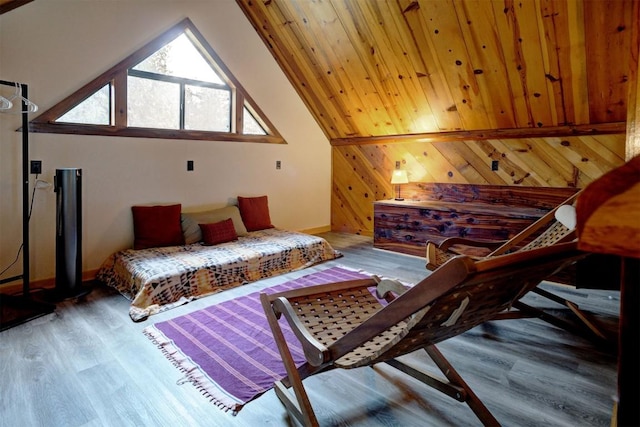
column 374, row 67
column 446, row 86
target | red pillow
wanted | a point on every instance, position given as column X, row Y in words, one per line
column 218, row 232
column 156, row 226
column 255, row 212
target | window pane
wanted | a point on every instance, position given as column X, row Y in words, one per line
column 251, row 125
column 95, row 110
column 153, row 104
column 207, row 109
column 180, row 58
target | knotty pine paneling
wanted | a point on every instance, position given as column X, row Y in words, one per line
column 405, row 68
column 362, row 173
column 396, row 67
column 611, row 24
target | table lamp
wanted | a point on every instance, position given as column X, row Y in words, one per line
column 399, row 177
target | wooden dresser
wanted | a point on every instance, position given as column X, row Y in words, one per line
column 480, row 212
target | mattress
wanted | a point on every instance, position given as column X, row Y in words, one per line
column 157, row 279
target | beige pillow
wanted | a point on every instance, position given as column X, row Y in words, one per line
column 190, row 222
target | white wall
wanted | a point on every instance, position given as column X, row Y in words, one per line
column 56, row 46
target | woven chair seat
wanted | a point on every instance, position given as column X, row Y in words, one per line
column 331, row 315
column 552, row 235
column 436, row 256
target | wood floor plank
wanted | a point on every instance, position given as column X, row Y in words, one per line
column 88, row 364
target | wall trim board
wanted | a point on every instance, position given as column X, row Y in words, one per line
column 316, row 230
column 544, row 132
column 49, row 283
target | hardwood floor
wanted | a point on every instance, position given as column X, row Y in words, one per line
column 88, row 364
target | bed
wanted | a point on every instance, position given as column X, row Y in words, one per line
column 159, row 278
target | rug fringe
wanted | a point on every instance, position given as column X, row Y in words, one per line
column 193, row 374
column 208, row 395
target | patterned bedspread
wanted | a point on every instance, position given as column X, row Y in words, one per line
column 158, row 279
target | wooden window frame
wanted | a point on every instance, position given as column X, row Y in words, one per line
column 117, row 77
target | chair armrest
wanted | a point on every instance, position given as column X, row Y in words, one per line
column 447, row 243
column 328, row 287
column 315, row 353
column 387, row 288
column 435, row 256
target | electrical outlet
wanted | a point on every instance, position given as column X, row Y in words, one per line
column 494, row 165
column 278, row 164
column 36, row 167
column 189, row 165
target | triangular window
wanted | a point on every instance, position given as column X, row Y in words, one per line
column 95, row 110
column 180, row 58
column 175, row 87
column 251, row 125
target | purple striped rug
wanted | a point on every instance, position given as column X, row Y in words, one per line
column 227, row 350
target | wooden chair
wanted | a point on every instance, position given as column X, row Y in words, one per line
column 344, row 325
column 546, row 231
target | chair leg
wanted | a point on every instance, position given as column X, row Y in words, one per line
column 291, row 403
column 586, row 319
column 452, row 375
column 456, row 387
column 298, row 404
column 530, row 311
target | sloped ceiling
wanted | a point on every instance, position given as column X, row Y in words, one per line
column 449, row 88
column 375, row 67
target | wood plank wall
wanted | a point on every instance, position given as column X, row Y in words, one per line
column 362, row 173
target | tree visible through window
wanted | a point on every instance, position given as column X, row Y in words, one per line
column 181, row 90
column 94, row 110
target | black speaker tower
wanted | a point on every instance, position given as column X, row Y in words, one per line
column 68, row 188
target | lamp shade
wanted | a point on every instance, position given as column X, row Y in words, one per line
column 399, row 177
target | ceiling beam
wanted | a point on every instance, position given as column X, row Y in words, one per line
column 477, row 135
